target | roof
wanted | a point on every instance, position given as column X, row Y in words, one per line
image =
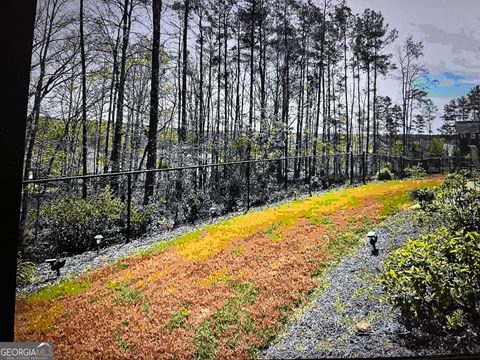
column 467, row 127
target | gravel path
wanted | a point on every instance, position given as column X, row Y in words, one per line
column 348, row 320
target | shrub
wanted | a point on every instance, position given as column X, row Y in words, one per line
column 70, row 224
column 434, row 279
column 26, row 272
column 385, row 173
column 456, row 205
column 414, row 172
column 423, row 195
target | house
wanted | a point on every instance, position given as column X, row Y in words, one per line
column 468, row 133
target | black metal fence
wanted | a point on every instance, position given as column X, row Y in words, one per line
column 186, row 194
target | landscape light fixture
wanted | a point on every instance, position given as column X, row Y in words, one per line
column 98, row 240
column 372, row 236
column 56, row 264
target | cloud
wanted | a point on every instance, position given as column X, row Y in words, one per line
column 459, row 41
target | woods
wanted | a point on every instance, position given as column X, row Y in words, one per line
column 134, row 85
column 206, row 82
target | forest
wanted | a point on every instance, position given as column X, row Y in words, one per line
column 135, row 85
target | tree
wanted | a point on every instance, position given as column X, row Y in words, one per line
column 474, row 102
column 154, row 92
column 410, row 71
column 182, row 132
column 84, row 102
column 449, row 118
column 118, row 132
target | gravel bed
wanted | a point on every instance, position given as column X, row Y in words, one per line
column 348, row 320
column 89, row 260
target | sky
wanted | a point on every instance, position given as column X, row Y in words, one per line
column 450, row 32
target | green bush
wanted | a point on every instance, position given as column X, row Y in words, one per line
column 456, row 205
column 423, row 195
column 385, row 173
column 70, row 224
column 434, row 280
column 26, row 272
column 415, row 172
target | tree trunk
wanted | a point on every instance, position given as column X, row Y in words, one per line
column 84, row 103
column 183, row 126
column 153, row 124
column 118, row 132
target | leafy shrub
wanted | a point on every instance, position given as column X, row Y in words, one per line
column 26, row 272
column 423, row 195
column 435, row 147
column 434, row 279
column 414, row 172
column 70, row 224
column 385, row 173
column 456, row 205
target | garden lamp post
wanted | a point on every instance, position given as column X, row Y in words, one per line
column 98, row 240
column 372, row 236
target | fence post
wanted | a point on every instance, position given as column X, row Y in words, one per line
column 248, row 185
column 401, row 166
column 364, row 167
column 286, row 174
column 129, row 204
column 351, row 167
column 309, row 175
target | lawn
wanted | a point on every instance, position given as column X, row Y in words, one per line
column 221, row 291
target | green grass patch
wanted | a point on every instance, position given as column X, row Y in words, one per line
column 237, row 251
column 178, row 320
column 124, row 294
column 274, row 230
column 320, row 220
column 117, row 336
column 120, row 264
column 393, row 206
column 339, row 305
column 231, row 314
column 65, row 288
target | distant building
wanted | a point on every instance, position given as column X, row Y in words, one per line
column 468, row 133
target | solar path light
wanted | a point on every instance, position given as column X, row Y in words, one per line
column 372, row 236
column 98, row 240
column 56, row 264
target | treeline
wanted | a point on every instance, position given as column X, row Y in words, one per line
column 134, row 84
column 465, row 108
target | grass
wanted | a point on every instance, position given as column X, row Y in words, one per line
column 230, row 315
column 392, row 206
column 117, row 336
column 237, row 251
column 339, row 305
column 165, row 245
column 178, row 320
column 65, row 288
column 212, row 239
column 124, row 294
column 325, row 345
